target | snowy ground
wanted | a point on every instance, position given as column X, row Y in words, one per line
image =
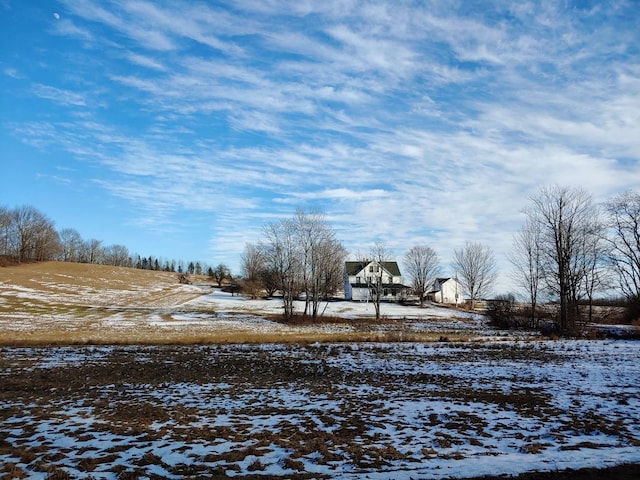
column 225, row 302
column 403, row 410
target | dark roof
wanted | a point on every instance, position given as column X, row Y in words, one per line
column 354, row 267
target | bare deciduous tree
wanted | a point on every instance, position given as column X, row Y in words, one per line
column 624, row 245
column 304, row 256
column 91, row 251
column 527, row 262
column 379, row 256
column 35, row 236
column 116, row 255
column 475, row 267
column 47, row 242
column 252, row 262
column 5, row 232
column 332, row 255
column 591, row 260
column 71, row 243
column 422, row 264
column 269, row 281
column 321, row 256
column 282, row 257
column 564, row 216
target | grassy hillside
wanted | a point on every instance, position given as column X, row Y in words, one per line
column 71, row 302
column 85, row 284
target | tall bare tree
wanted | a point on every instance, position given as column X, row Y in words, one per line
column 304, row 256
column 321, row 257
column 624, row 245
column 332, row 255
column 252, row 262
column 475, row 266
column 91, row 251
column 565, row 218
column 527, row 262
column 592, row 260
column 283, row 258
column 6, row 237
column 422, row 264
column 252, row 267
column 379, row 256
column 116, row 255
column 46, row 242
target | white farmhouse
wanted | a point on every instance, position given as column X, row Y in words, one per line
column 359, row 276
column 446, row 290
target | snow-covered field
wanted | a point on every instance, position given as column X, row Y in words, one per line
column 362, row 410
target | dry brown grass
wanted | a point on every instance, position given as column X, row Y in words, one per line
column 152, row 336
column 95, row 285
column 72, row 303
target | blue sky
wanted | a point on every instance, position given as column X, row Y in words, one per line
column 180, row 128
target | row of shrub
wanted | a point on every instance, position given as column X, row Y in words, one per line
column 505, row 313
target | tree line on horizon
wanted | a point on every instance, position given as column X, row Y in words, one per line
column 568, row 250
column 28, row 235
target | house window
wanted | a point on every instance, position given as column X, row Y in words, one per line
column 358, row 280
column 390, row 279
column 373, row 268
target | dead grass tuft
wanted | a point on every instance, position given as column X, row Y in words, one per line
column 291, row 464
column 13, row 471
column 256, row 466
column 535, row 448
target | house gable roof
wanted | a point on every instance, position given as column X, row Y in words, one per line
column 353, row 268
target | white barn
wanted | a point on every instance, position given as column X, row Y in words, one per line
column 446, row 290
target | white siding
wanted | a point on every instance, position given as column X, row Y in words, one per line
column 449, row 291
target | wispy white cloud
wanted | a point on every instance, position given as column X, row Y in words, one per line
column 67, row 27
column 145, row 61
column 58, row 95
column 12, row 72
